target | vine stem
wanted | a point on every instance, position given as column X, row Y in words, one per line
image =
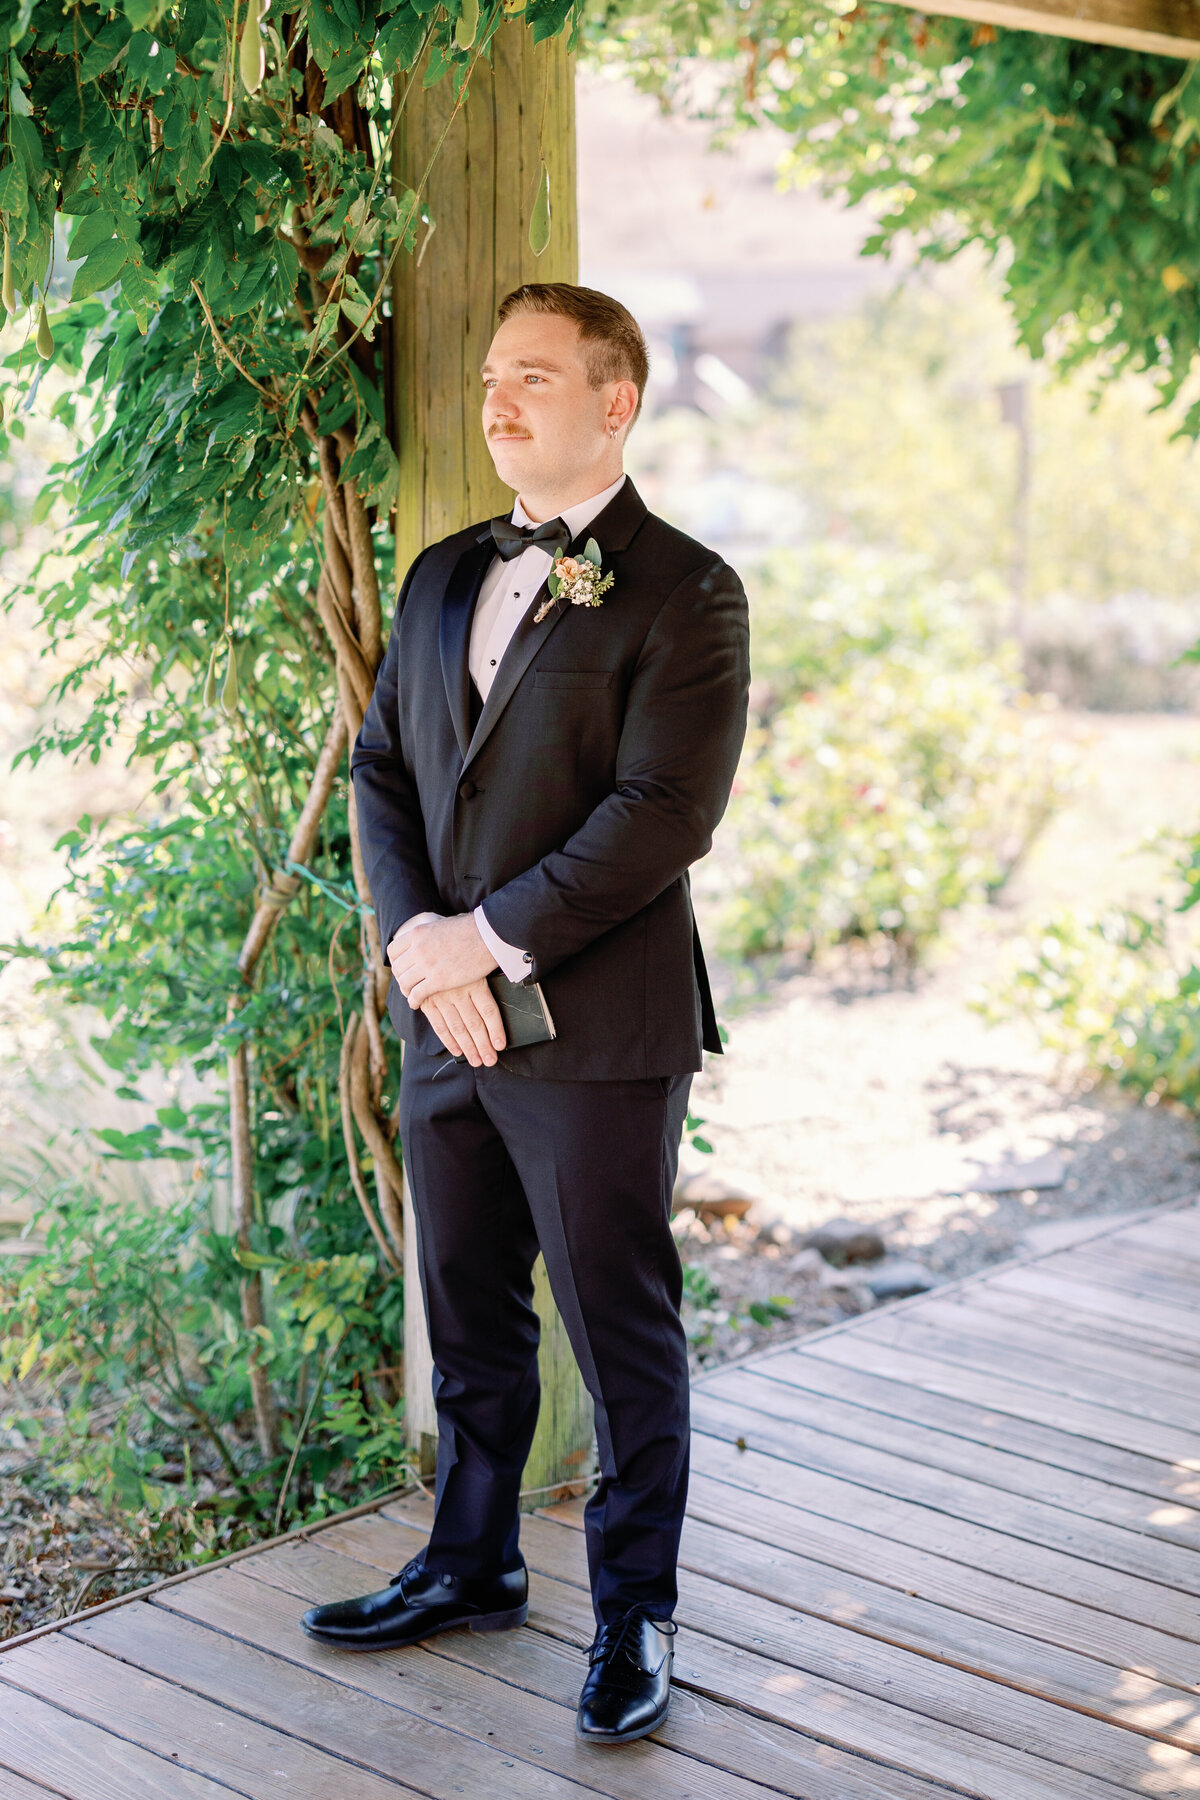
column 318, row 1384
column 225, row 350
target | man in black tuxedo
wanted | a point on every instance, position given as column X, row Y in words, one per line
column 533, row 779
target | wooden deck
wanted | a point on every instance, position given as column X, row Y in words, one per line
column 952, row 1547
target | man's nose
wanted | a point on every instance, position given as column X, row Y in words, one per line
column 501, row 402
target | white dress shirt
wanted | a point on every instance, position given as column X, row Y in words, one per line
column 504, row 599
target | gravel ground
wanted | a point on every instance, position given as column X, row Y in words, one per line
column 846, row 1094
column 844, row 1098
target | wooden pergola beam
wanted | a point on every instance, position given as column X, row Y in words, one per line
column 1162, row 27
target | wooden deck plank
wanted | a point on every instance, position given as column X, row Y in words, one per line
column 1174, row 1566
column 81, row 1762
column 439, row 1760
column 970, row 1544
column 779, row 1661
column 551, row 1552
column 1175, row 1233
column 1156, row 1260
column 233, row 1747
column 1087, row 1326
column 1114, row 1270
column 1134, row 1659
column 936, row 1449
column 874, row 1381
column 15, row 1787
column 1060, row 1412
column 520, row 1688
column 1035, row 1357
column 364, row 1702
column 1175, row 1330
column 897, row 1615
column 948, row 1548
column 1063, row 1344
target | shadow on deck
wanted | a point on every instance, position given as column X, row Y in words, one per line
column 948, row 1548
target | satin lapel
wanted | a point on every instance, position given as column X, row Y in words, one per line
column 613, row 529
column 454, row 634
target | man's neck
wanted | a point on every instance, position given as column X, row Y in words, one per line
column 542, row 506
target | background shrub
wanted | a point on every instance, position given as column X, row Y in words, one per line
column 894, row 769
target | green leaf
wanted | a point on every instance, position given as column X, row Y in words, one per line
column 1031, row 181
column 94, row 229
column 591, row 551
column 141, row 289
column 13, row 192
column 101, row 269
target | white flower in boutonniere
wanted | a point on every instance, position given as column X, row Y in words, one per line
column 577, row 579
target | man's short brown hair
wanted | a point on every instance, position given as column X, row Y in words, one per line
column 613, row 346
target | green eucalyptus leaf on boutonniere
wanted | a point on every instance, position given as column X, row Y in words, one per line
column 554, row 582
column 592, row 551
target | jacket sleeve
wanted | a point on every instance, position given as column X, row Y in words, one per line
column 391, row 830
column 685, row 720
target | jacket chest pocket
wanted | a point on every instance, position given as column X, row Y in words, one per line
column 572, row 678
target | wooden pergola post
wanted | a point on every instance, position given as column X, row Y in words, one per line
column 520, row 110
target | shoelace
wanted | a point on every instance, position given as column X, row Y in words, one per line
column 414, row 1562
column 621, row 1636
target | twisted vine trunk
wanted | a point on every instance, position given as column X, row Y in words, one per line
column 485, row 152
column 349, row 607
column 348, row 602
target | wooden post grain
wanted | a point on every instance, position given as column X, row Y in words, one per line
column 520, row 108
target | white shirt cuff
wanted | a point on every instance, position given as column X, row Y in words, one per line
column 512, row 961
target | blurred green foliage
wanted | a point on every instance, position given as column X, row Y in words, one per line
column 1073, row 165
column 888, row 423
column 1119, row 991
column 895, row 769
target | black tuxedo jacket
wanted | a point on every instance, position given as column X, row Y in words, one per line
column 594, row 776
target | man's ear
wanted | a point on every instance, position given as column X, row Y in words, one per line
column 623, row 404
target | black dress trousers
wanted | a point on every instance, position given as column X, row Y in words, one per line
column 502, row 1165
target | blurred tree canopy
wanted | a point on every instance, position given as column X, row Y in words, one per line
column 1075, row 165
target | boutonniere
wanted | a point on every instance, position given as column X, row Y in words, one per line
column 577, row 579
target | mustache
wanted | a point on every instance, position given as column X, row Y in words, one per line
column 496, row 433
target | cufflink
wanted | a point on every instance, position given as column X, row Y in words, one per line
column 527, row 956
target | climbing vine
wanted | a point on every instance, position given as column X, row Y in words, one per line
column 201, row 222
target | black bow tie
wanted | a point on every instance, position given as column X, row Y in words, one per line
column 511, row 539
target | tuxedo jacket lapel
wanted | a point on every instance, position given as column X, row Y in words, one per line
column 612, row 529
column 454, row 633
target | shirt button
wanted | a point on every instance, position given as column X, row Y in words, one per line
column 527, row 957
column 493, row 662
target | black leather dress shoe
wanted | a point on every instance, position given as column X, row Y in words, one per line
column 417, row 1603
column 628, row 1688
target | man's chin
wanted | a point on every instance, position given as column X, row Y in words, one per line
column 511, row 457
